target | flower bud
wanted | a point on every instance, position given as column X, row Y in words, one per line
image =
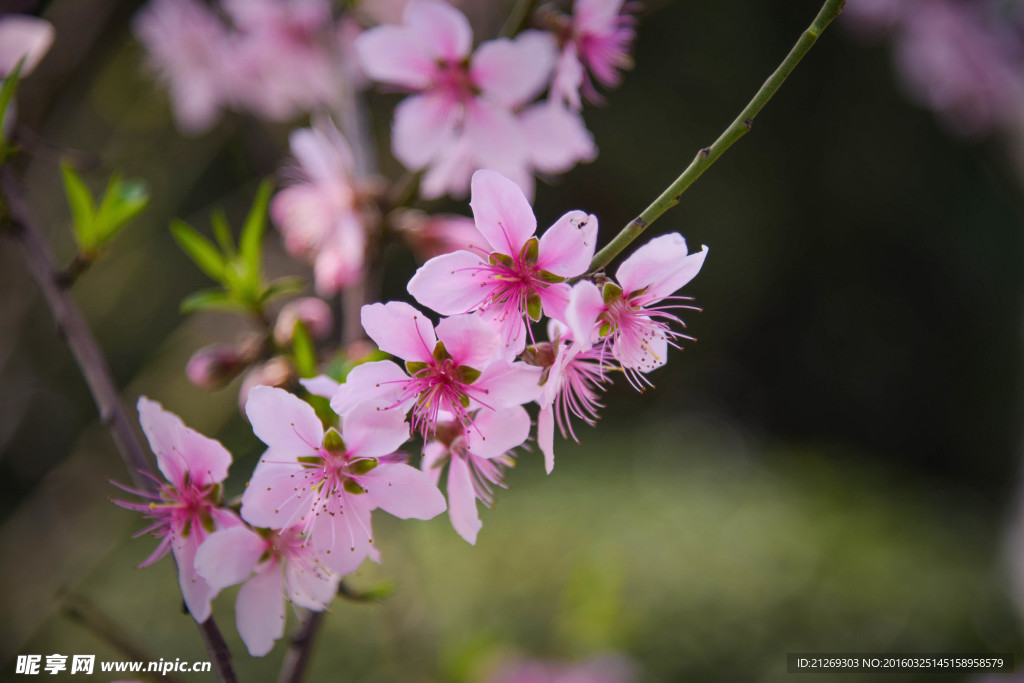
column 211, row 367
column 314, row 313
column 275, row 372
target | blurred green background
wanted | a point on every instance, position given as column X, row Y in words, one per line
column 833, row 467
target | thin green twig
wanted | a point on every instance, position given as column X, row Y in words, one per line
column 709, row 155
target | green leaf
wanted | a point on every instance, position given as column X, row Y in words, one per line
column 250, row 243
column 122, row 201
column 333, row 443
column 611, row 292
column 222, row 232
column 10, row 84
column 210, row 300
column 82, row 209
column 531, row 251
column 467, row 374
column 201, row 250
column 303, row 350
column 362, row 466
column 282, row 287
column 413, row 366
column 534, row 306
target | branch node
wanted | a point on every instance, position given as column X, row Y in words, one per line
column 748, row 123
column 704, row 153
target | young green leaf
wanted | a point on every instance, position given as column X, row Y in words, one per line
column 200, row 249
column 10, row 84
column 303, row 351
column 222, row 232
column 210, row 300
column 122, row 201
column 250, row 243
column 82, row 209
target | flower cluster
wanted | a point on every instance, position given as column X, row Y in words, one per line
column 270, row 58
column 461, row 388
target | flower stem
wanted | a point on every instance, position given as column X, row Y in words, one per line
column 296, row 658
column 93, row 366
column 709, row 155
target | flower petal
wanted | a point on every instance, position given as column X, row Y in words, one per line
column 662, row 266
column 502, row 214
column 423, row 127
column 194, row 589
column 403, row 491
column 400, row 329
column 259, row 610
column 380, row 381
column 557, row 138
column 370, row 430
column 23, row 36
column 321, row 385
column 509, row 384
column 277, row 495
column 284, row 421
column 546, row 436
column 468, row 339
column 513, row 72
column 462, row 501
column 585, row 305
column 451, row 283
column 394, row 54
column 229, row 556
column 497, row 432
column 443, row 30
column 567, row 247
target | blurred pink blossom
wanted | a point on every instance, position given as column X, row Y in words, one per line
column 461, row 115
column 314, row 313
column 22, row 36
column 430, row 236
column 320, row 214
column 597, row 40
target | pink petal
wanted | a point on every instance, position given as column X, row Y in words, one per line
column 450, row 171
column 393, row 54
column 643, row 352
column 443, row 30
column 322, row 152
column 509, row 384
column 345, row 538
column 380, row 381
column 546, row 436
column 497, row 432
column 498, row 143
column 513, row 72
column 557, row 138
column 283, row 421
column 400, row 329
column 194, row 589
column 468, row 339
column 310, row 586
column 568, row 77
column 403, row 491
column 511, row 331
column 555, row 300
column 423, row 127
column 259, row 610
column 321, row 385
column 370, row 430
column 502, row 214
column 339, row 264
column 162, row 428
column 22, row 36
column 431, row 463
column 450, row 284
column 585, row 305
column 567, row 247
column 228, row 557
column 270, row 500
column 206, row 459
column 462, row 501
column 662, row 265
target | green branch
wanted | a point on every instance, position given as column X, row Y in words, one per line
column 709, row 155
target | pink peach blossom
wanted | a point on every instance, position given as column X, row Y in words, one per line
column 460, row 117
column 273, row 565
column 597, row 40
column 319, row 215
column 634, row 317
column 453, row 369
column 475, row 465
column 184, row 510
column 327, row 483
column 518, row 276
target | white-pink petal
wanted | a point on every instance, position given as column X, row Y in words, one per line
column 513, row 72
column 450, row 283
column 556, row 137
column 321, row 385
column 395, row 55
column 585, row 305
column 443, row 30
column 468, row 339
column 229, row 556
column 567, row 247
column 502, row 213
column 283, row 421
column 403, row 491
column 509, row 384
column 462, row 501
column 400, row 329
column 259, row 610
column 546, row 436
column 423, row 128
column 270, row 500
column 380, row 381
column 495, row 433
column 661, row 266
column 370, row 430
